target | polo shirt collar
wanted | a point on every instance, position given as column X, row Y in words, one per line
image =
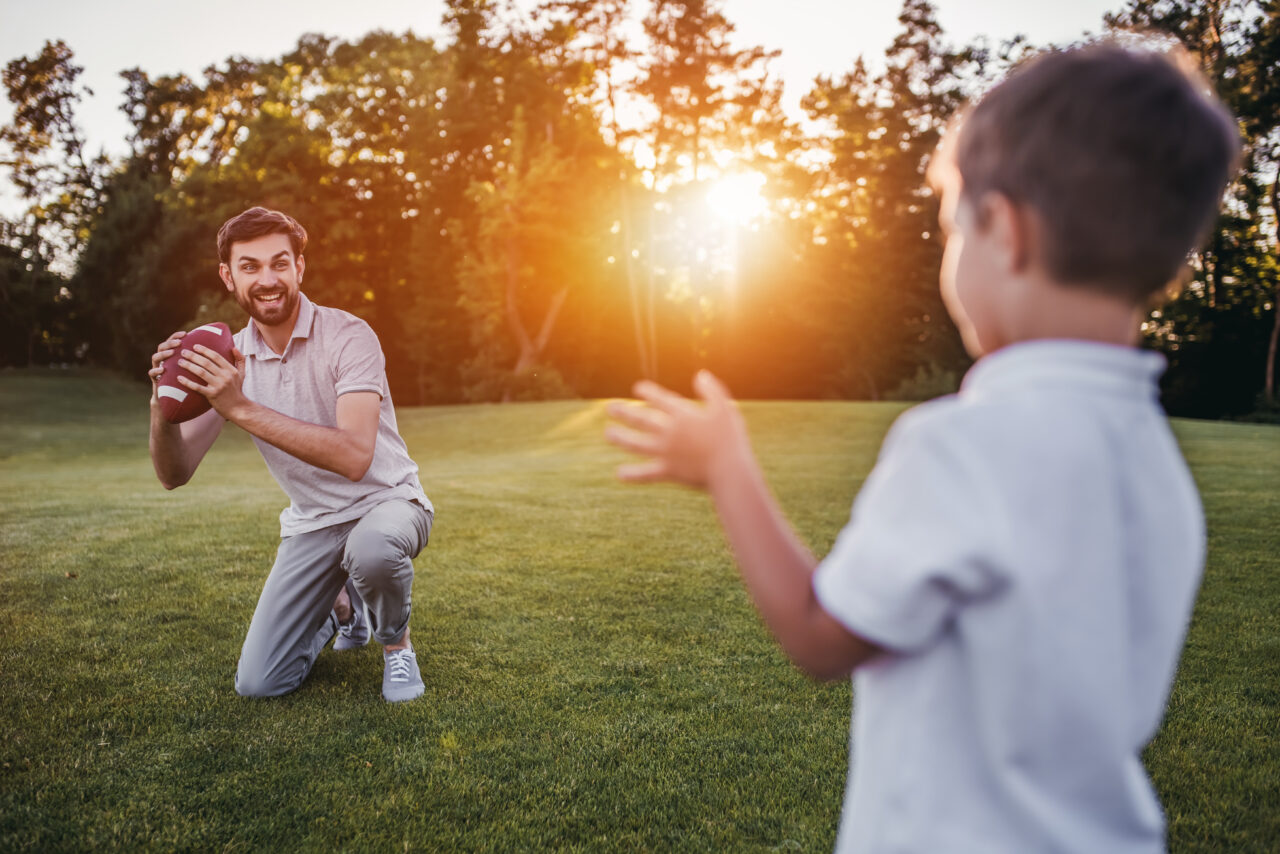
column 1074, row 364
column 258, row 348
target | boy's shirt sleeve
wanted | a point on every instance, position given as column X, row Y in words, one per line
column 925, row 537
column 359, row 364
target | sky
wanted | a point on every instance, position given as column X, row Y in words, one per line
column 170, row 36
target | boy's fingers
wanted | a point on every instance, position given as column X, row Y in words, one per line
column 647, row 472
column 632, row 440
column 710, row 389
column 640, row 417
column 664, row 399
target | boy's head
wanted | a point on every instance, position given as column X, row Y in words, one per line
column 1101, row 168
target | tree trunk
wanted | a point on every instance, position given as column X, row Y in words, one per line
column 1269, row 387
column 514, row 323
column 646, row 369
column 531, row 348
column 624, row 208
column 653, row 327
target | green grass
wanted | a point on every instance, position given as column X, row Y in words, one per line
column 596, row 677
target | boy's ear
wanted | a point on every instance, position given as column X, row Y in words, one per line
column 1011, row 229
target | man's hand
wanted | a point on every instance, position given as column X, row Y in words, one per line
column 177, row 449
column 222, row 381
column 686, row 443
column 163, row 352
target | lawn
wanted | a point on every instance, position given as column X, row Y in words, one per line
column 596, row 677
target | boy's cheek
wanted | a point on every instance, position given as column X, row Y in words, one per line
column 948, row 280
column 960, row 317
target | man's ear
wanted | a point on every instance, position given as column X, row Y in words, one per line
column 1008, row 225
column 302, row 266
column 225, row 272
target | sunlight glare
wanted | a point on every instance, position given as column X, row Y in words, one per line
column 737, row 198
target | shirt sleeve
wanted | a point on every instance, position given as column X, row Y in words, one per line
column 924, row 538
column 360, row 365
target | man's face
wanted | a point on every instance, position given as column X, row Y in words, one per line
column 264, row 276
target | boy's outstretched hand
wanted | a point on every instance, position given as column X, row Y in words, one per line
column 685, row 442
column 706, row 446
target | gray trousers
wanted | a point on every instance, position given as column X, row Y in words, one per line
column 294, row 618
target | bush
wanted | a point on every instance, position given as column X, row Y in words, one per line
column 930, row 381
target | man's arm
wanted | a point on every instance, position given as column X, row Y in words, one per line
column 177, row 449
column 346, row 449
column 707, row 448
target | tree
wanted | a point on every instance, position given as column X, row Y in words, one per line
column 874, row 217
column 44, row 151
column 716, row 112
column 587, row 40
column 1216, row 333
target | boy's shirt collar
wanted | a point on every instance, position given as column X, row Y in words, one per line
column 1127, row 371
column 259, row 349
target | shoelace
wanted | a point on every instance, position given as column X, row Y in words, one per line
column 398, row 663
column 352, row 628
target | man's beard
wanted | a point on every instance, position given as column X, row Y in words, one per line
column 273, row 314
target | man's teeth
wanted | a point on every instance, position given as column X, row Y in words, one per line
column 268, row 297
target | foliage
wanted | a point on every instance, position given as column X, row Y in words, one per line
column 1219, row 333
column 876, row 220
column 928, row 382
column 524, row 207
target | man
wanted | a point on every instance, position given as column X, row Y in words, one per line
column 309, row 384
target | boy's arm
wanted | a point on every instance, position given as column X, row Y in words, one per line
column 177, row 449
column 346, row 449
column 706, row 447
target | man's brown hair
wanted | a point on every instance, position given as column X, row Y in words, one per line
column 1122, row 154
column 257, row 222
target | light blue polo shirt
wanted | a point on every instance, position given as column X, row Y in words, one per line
column 330, row 354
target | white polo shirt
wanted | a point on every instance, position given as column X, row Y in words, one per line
column 330, row 353
column 1029, row 551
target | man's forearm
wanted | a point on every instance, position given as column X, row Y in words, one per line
column 329, row 448
column 170, row 455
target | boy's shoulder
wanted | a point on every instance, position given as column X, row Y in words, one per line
column 1011, row 436
column 1044, row 392
column 955, row 420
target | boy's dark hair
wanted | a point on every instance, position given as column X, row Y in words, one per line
column 1123, row 154
column 257, row 222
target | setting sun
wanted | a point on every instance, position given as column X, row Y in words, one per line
column 737, row 197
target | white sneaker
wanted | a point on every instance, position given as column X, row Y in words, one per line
column 401, row 679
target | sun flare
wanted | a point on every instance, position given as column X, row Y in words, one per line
column 737, row 198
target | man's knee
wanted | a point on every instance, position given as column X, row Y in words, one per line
column 256, row 682
column 371, row 554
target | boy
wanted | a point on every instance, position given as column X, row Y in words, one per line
column 1017, row 576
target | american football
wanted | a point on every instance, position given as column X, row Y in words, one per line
column 177, row 402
